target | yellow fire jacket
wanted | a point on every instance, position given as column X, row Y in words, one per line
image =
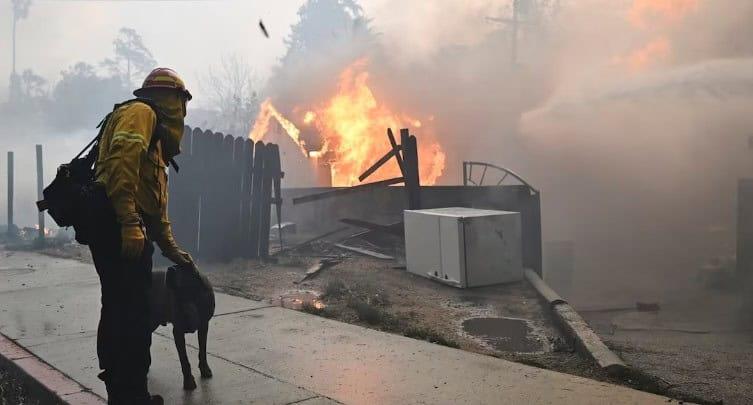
column 136, row 181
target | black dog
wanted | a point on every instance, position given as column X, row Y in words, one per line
column 185, row 298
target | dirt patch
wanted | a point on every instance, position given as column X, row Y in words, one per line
column 381, row 295
column 54, row 248
column 695, row 345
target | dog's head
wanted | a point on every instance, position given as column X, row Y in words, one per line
column 193, row 293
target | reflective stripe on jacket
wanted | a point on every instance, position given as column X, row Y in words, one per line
column 135, row 181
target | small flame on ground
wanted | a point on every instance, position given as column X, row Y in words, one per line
column 47, row 231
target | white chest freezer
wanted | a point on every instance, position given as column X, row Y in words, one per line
column 464, row 247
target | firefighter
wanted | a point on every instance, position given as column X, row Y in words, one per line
column 141, row 137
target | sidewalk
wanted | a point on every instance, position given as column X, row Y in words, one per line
column 271, row 355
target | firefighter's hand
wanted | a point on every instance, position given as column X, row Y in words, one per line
column 132, row 241
column 170, row 249
column 178, row 256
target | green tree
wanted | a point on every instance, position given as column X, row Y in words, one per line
column 326, row 26
column 82, row 97
column 32, row 85
column 132, row 58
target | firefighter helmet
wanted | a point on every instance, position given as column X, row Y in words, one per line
column 165, row 78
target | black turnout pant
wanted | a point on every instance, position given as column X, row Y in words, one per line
column 124, row 336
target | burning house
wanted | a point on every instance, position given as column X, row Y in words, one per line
column 345, row 133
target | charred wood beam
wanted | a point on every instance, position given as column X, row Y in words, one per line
column 384, row 159
column 320, row 265
column 412, row 178
column 366, row 252
column 393, row 229
column 394, row 145
column 310, row 241
column 349, row 190
column 415, row 190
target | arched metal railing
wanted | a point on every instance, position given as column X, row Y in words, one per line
column 483, row 167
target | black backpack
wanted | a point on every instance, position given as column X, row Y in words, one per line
column 73, row 197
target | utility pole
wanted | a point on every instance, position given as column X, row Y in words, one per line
column 13, row 85
column 11, row 225
column 514, row 24
column 40, row 195
column 20, row 11
column 15, row 20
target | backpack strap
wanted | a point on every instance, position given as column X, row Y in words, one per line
column 158, row 130
column 156, row 135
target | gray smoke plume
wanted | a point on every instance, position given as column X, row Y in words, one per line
column 635, row 126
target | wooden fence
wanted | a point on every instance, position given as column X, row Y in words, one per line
column 220, row 199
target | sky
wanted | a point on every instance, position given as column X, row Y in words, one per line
column 185, row 35
column 190, row 35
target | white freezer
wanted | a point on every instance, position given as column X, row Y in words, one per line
column 464, row 247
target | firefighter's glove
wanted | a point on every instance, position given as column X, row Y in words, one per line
column 170, row 249
column 178, row 256
column 132, row 241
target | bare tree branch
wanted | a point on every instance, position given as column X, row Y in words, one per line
column 231, row 93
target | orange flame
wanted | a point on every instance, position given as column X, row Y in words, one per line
column 643, row 12
column 653, row 16
column 353, row 126
column 47, row 231
column 655, row 51
column 267, row 111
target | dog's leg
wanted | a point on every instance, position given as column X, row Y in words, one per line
column 206, row 372
column 180, row 343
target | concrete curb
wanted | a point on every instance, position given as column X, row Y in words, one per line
column 575, row 328
column 45, row 382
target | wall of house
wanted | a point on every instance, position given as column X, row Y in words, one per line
column 385, row 206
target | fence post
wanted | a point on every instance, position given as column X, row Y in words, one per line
column 11, row 225
column 410, row 162
column 744, row 262
column 559, row 266
column 277, row 188
column 266, row 199
column 236, row 201
column 228, row 186
column 40, row 188
column 246, row 189
column 415, row 182
column 256, row 197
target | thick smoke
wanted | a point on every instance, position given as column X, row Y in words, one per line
column 640, row 162
column 632, row 116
